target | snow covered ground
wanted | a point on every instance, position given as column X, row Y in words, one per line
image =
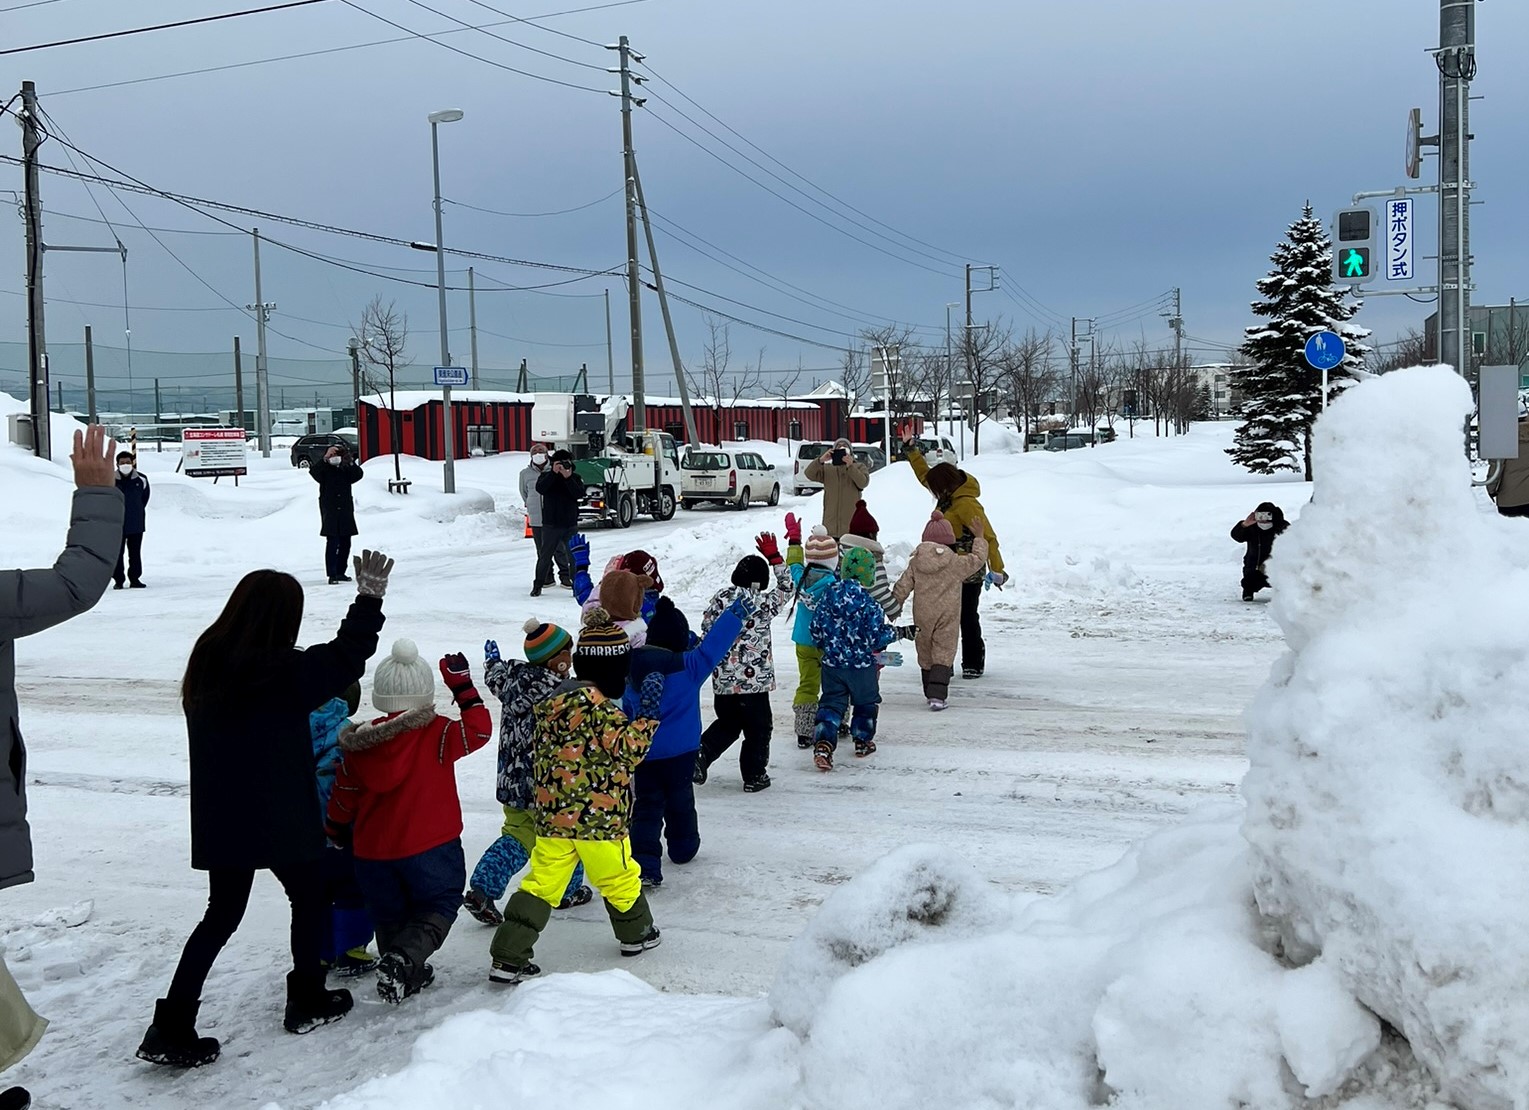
column 1120, row 660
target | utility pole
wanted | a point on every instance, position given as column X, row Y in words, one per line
column 1072, row 403
column 238, row 385
column 610, row 354
column 1176, row 322
column 1456, row 59
column 159, row 419
column 90, row 376
column 663, row 306
column 966, row 336
column 355, row 379
column 472, row 327
column 37, row 342
column 262, row 311
column 633, row 276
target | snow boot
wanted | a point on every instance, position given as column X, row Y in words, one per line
column 1247, row 595
column 637, row 947
column 806, row 723
column 15, row 1098
column 355, row 963
column 804, row 742
column 481, row 908
column 651, row 884
column 823, row 756
column 172, row 1039
column 503, row 971
column 311, row 1004
column 393, row 975
column 971, row 672
column 698, row 776
column 938, row 704
column 754, row 786
column 581, row 897
column 864, row 748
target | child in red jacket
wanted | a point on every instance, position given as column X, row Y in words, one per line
column 395, row 799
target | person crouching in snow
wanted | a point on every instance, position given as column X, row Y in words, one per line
column 852, row 632
column 586, row 752
column 934, row 577
column 520, row 687
column 350, row 926
column 743, row 682
column 664, row 793
column 1258, row 532
column 395, row 799
column 814, row 567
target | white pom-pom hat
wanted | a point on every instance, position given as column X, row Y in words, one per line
column 403, row 680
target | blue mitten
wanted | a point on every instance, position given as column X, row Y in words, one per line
column 578, row 551
column 890, row 658
column 491, row 651
column 743, row 607
column 994, row 578
column 650, row 696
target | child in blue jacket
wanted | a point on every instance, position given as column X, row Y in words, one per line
column 663, row 786
column 852, row 632
column 814, row 567
column 350, row 926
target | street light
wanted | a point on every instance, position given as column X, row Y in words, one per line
column 446, row 115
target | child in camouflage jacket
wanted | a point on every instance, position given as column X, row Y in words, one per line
column 586, row 753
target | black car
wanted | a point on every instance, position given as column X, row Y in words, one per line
column 311, row 449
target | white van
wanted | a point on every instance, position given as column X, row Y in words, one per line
column 726, row 476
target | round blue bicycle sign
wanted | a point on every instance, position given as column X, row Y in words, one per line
column 1325, row 350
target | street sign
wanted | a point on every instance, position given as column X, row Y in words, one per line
column 1356, row 245
column 1399, row 234
column 1413, row 162
column 1325, row 350
column 451, row 375
column 213, row 452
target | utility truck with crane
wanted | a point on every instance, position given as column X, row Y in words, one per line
column 624, row 474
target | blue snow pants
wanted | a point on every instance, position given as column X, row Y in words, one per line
column 855, row 690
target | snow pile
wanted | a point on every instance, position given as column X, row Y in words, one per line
column 1388, row 800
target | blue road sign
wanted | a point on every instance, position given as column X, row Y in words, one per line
column 1325, row 350
column 451, row 375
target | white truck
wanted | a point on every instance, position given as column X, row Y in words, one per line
column 624, row 474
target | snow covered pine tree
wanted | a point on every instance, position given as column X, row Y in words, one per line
column 1281, row 394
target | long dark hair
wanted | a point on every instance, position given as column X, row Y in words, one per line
column 261, row 620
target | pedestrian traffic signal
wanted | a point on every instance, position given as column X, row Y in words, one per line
column 1354, row 246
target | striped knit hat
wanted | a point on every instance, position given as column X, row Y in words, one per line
column 599, row 638
column 545, row 642
column 821, row 548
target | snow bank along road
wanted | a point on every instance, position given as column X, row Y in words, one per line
column 1119, row 662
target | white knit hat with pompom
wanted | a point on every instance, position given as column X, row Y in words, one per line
column 403, row 680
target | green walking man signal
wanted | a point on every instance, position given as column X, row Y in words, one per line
column 1355, row 243
column 1356, row 263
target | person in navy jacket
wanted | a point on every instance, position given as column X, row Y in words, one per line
column 135, row 502
column 664, row 786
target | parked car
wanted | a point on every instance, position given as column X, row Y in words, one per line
column 310, row 450
column 1066, row 441
column 935, row 449
column 871, row 457
column 726, row 476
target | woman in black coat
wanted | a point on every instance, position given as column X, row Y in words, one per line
column 247, row 695
column 1258, row 532
column 337, row 509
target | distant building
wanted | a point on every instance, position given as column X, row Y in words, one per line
column 1499, row 334
column 1217, row 377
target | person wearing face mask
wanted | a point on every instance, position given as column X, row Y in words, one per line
column 135, row 498
column 337, row 509
column 532, row 499
column 1258, row 532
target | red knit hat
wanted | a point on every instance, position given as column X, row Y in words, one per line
column 640, row 562
column 862, row 523
column 938, row 530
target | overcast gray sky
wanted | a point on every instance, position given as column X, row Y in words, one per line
column 1100, row 151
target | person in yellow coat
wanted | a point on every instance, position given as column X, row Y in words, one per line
column 958, row 496
column 586, row 752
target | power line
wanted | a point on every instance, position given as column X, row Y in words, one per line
column 787, row 200
column 810, row 299
column 467, row 53
column 705, row 130
column 161, row 26
column 533, row 49
column 616, row 192
column 33, row 4
column 550, row 30
column 333, row 49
